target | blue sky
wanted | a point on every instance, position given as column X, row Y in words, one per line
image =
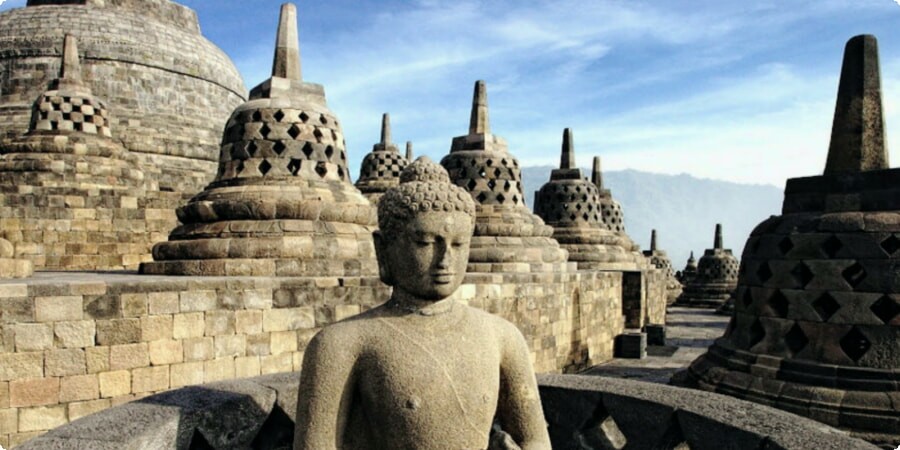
column 733, row 90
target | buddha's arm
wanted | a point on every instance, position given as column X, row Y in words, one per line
column 326, row 388
column 520, row 404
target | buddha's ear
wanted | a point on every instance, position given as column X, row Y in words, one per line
column 381, row 253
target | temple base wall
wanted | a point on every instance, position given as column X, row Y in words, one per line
column 72, row 344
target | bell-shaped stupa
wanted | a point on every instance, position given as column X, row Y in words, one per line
column 816, row 327
column 72, row 187
column 282, row 203
column 716, row 278
column 570, row 203
column 689, row 272
column 661, row 261
column 69, row 142
column 508, row 236
column 380, row 169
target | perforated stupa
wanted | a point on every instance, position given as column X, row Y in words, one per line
column 661, row 261
column 570, row 203
column 716, row 277
column 282, row 202
column 508, row 236
column 380, row 169
column 816, row 327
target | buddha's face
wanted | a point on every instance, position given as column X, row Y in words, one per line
column 427, row 259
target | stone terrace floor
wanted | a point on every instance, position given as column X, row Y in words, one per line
column 689, row 332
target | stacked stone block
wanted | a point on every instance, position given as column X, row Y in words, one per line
column 282, row 203
column 817, row 309
column 571, row 205
column 716, row 277
column 661, row 261
column 10, row 266
column 170, row 90
column 76, row 344
column 381, row 168
column 508, row 236
column 71, row 197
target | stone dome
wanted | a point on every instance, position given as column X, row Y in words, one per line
column 661, row 261
column 716, row 276
column 380, row 169
column 508, row 236
column 571, row 204
column 282, row 203
column 816, row 321
column 169, row 90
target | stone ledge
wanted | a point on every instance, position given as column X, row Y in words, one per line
column 259, row 413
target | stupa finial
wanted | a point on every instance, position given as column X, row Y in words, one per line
column 409, row 151
column 857, row 133
column 386, row 129
column 567, row 156
column 597, row 174
column 480, row 122
column 653, row 240
column 717, row 244
column 71, row 65
column 287, row 45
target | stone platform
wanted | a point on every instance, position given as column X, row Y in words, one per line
column 74, row 343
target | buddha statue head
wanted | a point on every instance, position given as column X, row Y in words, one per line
column 425, row 227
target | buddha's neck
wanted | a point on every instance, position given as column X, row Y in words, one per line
column 406, row 303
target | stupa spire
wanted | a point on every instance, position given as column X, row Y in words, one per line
column 858, row 140
column 567, row 156
column 717, row 244
column 480, row 122
column 287, row 45
column 653, row 240
column 597, row 174
column 386, row 129
column 71, row 65
column 409, row 151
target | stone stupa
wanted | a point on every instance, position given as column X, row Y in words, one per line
column 71, row 186
column 716, row 278
column 689, row 272
column 169, row 89
column 380, row 169
column 508, row 236
column 816, row 325
column 282, row 203
column 570, row 203
column 661, row 261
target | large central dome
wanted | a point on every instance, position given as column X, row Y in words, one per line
column 169, row 89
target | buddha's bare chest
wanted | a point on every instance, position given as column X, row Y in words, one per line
column 445, row 382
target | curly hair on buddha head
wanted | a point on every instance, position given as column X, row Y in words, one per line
column 424, row 187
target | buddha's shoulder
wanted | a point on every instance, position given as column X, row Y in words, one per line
column 491, row 321
column 350, row 329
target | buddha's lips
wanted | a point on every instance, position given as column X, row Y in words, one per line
column 442, row 277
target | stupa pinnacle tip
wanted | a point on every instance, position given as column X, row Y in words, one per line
column 386, row 129
column 597, row 173
column 857, row 133
column 409, row 151
column 718, row 238
column 479, row 122
column 567, row 157
column 287, row 45
column 653, row 240
column 71, row 65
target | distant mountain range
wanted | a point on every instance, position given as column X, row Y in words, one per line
column 683, row 209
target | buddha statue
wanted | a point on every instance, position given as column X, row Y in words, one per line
column 423, row 370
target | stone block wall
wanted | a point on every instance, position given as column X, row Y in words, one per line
column 73, row 343
column 85, row 229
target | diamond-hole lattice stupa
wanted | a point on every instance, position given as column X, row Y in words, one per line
column 380, row 169
column 571, row 204
column 508, row 236
column 282, row 203
column 715, row 279
column 660, row 259
column 816, row 327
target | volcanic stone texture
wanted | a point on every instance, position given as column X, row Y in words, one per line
column 661, row 261
column 715, row 279
column 380, row 169
column 169, row 90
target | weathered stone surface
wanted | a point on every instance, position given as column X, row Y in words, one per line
column 380, row 169
column 660, row 259
column 715, row 279
column 282, row 203
column 508, row 237
column 394, row 354
column 814, row 329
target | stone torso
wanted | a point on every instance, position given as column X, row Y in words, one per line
column 433, row 383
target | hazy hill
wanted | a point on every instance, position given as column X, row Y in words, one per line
column 683, row 209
